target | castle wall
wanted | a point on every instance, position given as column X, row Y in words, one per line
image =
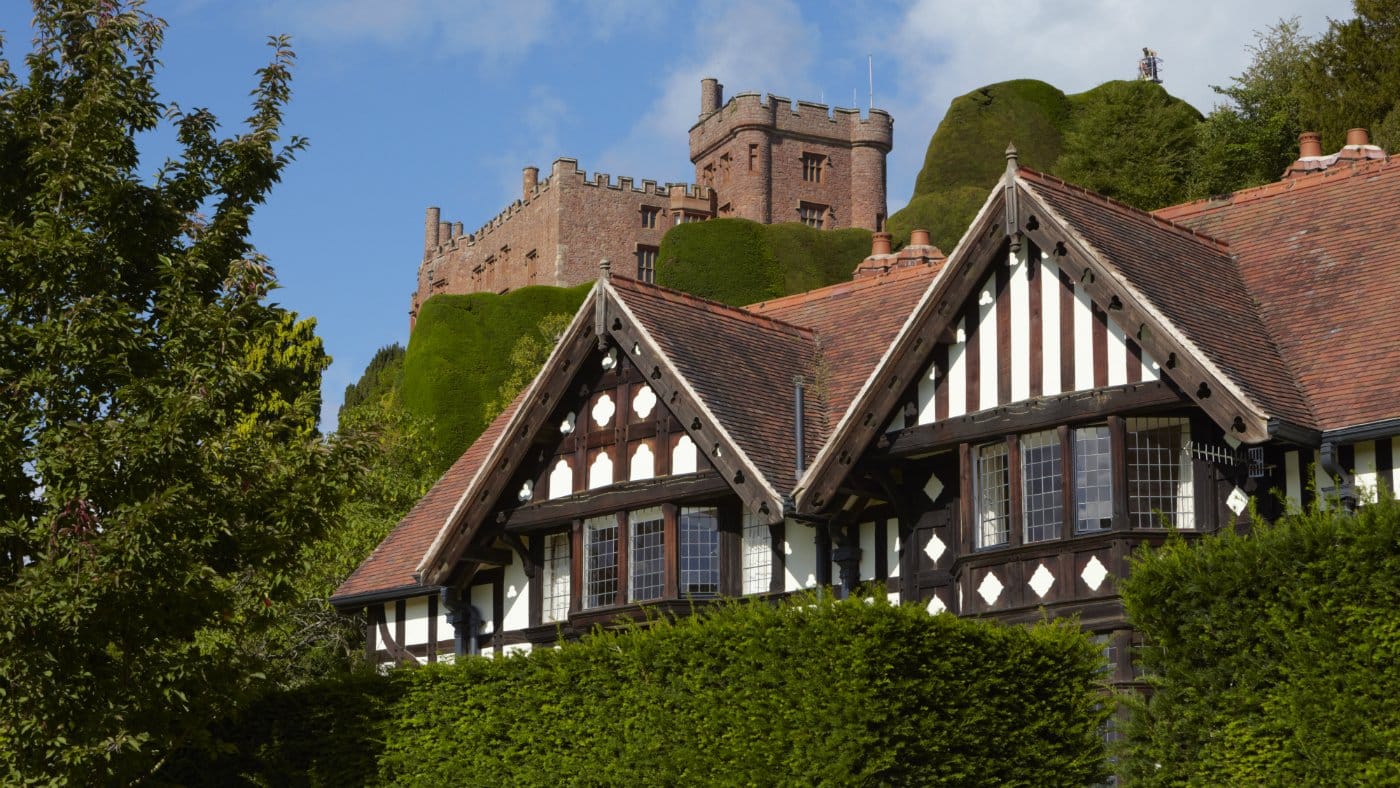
column 600, row 219
column 761, row 143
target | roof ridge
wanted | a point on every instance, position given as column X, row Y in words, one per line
column 1306, row 180
column 718, row 307
column 850, row 285
column 1128, row 210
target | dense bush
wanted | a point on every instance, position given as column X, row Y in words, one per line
column 740, row 262
column 460, row 354
column 815, row 692
column 1273, row 657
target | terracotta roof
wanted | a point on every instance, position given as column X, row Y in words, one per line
column 1315, row 253
column 393, row 562
column 741, row 366
column 854, row 322
column 1192, row 280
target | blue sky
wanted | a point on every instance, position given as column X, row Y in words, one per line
column 411, row 103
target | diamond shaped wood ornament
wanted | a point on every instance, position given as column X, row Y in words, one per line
column 935, row 606
column 1237, row 501
column 933, row 488
column 935, row 548
column 1094, row 573
column 1041, row 581
column 990, row 589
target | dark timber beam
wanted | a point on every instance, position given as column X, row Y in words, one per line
column 491, row 556
column 1030, row 415
column 614, row 498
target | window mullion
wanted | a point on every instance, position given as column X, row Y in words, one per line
column 1067, row 517
column 1015, row 500
column 1118, row 443
column 671, row 545
column 624, row 547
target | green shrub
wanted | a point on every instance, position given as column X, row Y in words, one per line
column 813, row 692
column 1274, row 656
column 737, row 262
column 460, row 354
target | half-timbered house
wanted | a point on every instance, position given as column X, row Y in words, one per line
column 990, row 434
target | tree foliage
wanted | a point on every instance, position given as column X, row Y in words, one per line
column 160, row 464
column 1354, row 75
column 1272, row 657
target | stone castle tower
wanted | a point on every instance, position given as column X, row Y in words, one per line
column 764, row 160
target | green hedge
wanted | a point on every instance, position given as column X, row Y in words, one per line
column 738, row 262
column 1276, row 657
column 808, row 693
column 460, row 353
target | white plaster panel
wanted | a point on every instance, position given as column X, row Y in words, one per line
column 481, row 600
column 1325, row 486
column 1151, row 370
column 1020, row 305
column 683, row 456
column 1117, row 355
column 928, row 385
column 1365, row 471
column 517, row 597
column 800, row 557
column 867, row 551
column 1050, row 326
column 561, row 479
column 957, row 370
column 892, row 546
column 600, row 473
column 1292, row 479
column 987, row 343
column 643, row 464
column 415, row 620
column 1395, row 464
column 603, row 410
column 515, row 648
column 388, row 621
column 643, row 402
column 892, row 597
column 1083, row 341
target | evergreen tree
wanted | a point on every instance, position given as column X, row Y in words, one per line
column 159, row 463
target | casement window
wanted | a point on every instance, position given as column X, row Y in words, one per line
column 649, row 215
column 811, row 214
column 993, row 495
column 600, row 561
column 1093, row 479
column 646, row 263
column 757, row 566
column 555, row 583
column 812, row 164
column 699, row 551
column 1157, row 488
column 1042, row 486
column 1159, row 473
column 646, row 556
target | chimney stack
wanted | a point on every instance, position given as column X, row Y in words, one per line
column 1309, row 144
column 711, row 96
column 880, row 244
column 529, row 181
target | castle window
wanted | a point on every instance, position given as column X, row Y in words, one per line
column 811, row 214
column 812, row 164
column 753, row 157
column 649, row 214
column 646, row 263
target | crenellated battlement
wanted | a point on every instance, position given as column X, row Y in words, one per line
column 750, row 110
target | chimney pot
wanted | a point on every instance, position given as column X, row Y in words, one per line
column 1358, row 137
column 1309, row 144
column 919, row 238
column 880, row 244
column 529, row 181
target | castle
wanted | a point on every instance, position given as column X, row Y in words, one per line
column 765, row 160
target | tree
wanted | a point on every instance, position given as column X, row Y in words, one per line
column 1253, row 137
column 1354, row 80
column 160, row 464
column 527, row 358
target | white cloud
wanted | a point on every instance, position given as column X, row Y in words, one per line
column 748, row 46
